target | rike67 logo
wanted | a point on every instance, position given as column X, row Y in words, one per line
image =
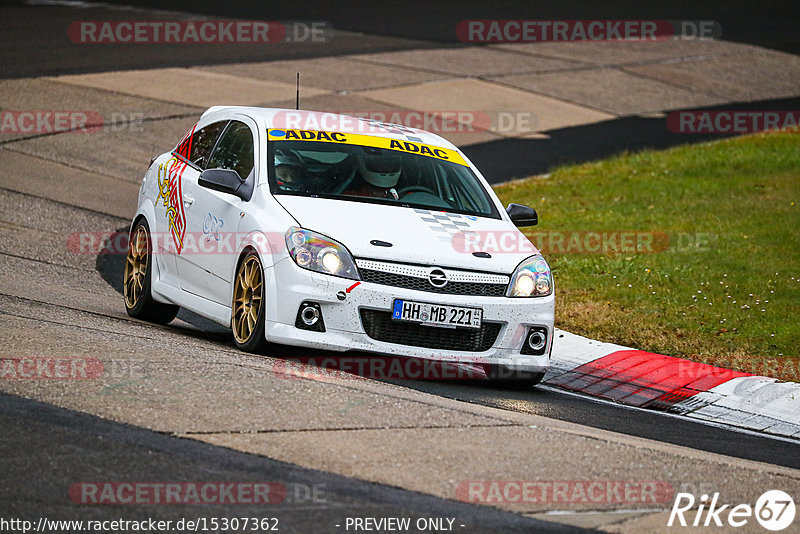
column 774, row 510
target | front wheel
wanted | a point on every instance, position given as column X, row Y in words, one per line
column 139, row 301
column 247, row 311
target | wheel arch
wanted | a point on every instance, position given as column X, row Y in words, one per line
column 146, row 212
column 259, row 242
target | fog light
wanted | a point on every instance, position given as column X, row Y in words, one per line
column 536, row 341
column 309, row 317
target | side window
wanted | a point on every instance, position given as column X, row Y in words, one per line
column 234, row 150
column 201, row 143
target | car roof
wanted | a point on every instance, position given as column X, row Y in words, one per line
column 327, row 121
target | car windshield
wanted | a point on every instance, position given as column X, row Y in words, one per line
column 439, row 180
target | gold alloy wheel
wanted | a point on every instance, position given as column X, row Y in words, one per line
column 136, row 266
column 247, row 299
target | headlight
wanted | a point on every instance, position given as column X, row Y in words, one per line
column 316, row 252
column 531, row 279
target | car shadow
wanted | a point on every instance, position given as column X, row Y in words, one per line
column 111, row 267
column 508, row 159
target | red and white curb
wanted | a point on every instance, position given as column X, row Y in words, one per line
column 694, row 390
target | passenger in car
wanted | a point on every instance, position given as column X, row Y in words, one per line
column 379, row 175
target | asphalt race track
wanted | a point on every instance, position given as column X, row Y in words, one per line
column 139, row 454
column 180, row 403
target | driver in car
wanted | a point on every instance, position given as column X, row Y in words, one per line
column 379, row 175
column 288, row 172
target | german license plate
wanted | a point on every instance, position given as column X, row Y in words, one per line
column 436, row 314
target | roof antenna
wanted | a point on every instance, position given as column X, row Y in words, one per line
column 297, row 94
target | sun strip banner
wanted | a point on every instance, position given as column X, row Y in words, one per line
column 388, row 143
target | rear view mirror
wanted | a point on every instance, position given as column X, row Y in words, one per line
column 522, row 215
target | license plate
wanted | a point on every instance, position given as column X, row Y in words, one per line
column 436, row 314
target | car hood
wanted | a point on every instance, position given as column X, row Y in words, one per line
column 418, row 236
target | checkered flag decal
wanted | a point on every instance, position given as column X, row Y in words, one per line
column 445, row 225
column 393, row 128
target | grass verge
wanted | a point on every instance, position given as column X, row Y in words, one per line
column 707, row 259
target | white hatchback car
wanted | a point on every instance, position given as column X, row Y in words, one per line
column 333, row 232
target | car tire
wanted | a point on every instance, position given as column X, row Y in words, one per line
column 136, row 282
column 248, row 305
column 519, row 380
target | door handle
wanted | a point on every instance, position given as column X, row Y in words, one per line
column 188, row 199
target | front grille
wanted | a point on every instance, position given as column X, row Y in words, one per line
column 422, row 284
column 380, row 326
column 416, row 277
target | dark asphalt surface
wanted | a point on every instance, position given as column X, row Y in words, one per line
column 45, row 450
column 37, row 44
column 770, row 24
column 648, row 424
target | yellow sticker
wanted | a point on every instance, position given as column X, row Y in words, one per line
column 387, row 143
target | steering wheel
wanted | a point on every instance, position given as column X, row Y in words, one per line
column 416, row 188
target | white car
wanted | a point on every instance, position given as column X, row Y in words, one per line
column 328, row 231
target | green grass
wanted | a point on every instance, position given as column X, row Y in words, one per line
column 732, row 299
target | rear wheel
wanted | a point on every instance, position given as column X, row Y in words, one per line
column 139, row 301
column 247, row 312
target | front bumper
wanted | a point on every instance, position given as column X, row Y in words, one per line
column 345, row 331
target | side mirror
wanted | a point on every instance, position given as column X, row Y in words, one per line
column 222, row 180
column 522, row 215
